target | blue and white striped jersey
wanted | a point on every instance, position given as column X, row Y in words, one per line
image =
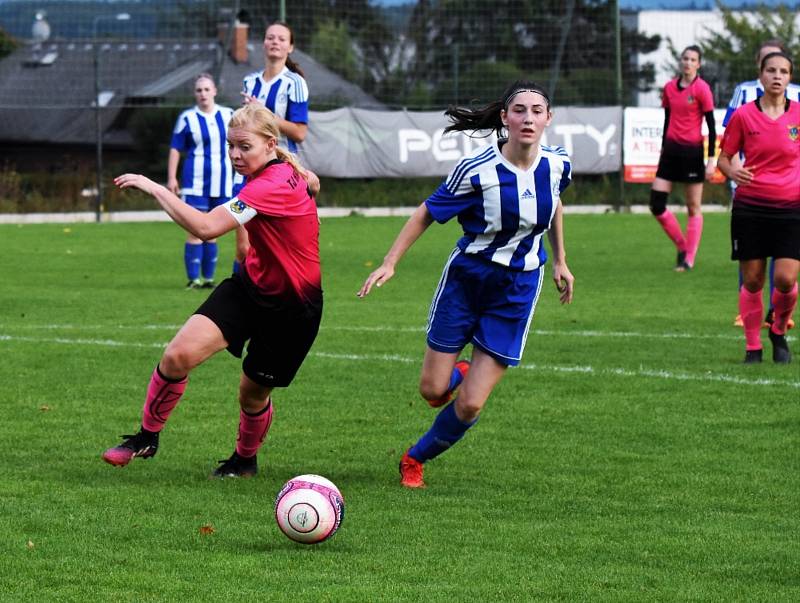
column 207, row 170
column 747, row 92
column 503, row 210
column 286, row 95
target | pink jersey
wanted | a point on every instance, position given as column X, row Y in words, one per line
column 772, row 152
column 283, row 259
column 687, row 106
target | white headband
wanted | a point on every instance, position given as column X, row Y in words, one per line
column 521, row 90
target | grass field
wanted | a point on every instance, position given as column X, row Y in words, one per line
column 630, row 458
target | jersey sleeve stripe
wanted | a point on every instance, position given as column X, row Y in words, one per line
column 464, row 166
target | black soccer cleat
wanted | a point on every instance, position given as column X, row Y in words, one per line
column 237, row 466
column 780, row 349
column 681, row 265
column 143, row 444
column 752, row 357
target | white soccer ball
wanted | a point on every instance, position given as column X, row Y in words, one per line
column 309, row 508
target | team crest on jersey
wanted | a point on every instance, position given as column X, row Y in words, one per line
column 237, row 206
column 794, row 132
column 283, row 97
column 690, row 99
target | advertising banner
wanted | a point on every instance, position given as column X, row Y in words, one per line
column 642, row 142
column 358, row 143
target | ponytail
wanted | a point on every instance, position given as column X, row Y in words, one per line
column 488, row 116
column 291, row 159
column 292, row 66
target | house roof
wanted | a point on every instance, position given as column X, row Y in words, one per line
column 47, row 90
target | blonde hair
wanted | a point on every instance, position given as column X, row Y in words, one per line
column 256, row 118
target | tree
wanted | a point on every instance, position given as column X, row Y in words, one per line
column 332, row 46
column 7, row 44
column 553, row 40
column 731, row 53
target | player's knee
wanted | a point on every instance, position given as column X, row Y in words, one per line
column 174, row 362
column 658, row 202
column 784, row 282
column 468, row 410
column 430, row 389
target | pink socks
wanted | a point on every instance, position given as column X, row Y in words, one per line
column 694, row 230
column 751, row 308
column 252, row 430
column 671, row 226
column 783, row 304
column 163, row 395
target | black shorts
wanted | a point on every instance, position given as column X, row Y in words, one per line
column 758, row 233
column 280, row 333
column 681, row 163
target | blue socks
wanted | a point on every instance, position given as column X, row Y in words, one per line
column 771, row 280
column 209, row 260
column 455, row 380
column 447, row 429
column 192, row 255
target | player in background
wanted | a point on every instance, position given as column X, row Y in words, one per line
column 505, row 196
column 765, row 220
column 274, row 304
column 744, row 93
column 281, row 87
column 686, row 99
column 207, row 175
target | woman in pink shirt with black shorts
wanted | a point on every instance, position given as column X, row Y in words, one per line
column 765, row 221
column 686, row 100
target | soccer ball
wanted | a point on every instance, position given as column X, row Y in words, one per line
column 309, row 509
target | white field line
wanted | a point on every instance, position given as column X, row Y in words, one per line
column 735, row 334
column 324, row 212
column 621, row 372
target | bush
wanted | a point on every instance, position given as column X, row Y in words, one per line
column 7, row 44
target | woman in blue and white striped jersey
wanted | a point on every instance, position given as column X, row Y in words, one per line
column 280, row 87
column 207, row 175
column 505, row 195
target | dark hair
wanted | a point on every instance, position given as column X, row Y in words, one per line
column 694, row 48
column 488, row 116
column 772, row 55
column 289, row 62
column 774, row 42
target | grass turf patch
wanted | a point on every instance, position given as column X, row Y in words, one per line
column 630, row 457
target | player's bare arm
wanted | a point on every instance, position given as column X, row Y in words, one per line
column 417, row 224
column 734, row 169
column 202, row 225
column 565, row 282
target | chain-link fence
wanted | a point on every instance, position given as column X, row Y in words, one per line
column 82, row 74
column 416, row 55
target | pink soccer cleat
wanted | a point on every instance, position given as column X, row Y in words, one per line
column 143, row 444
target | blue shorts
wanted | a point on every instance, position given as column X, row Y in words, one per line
column 485, row 304
column 205, row 204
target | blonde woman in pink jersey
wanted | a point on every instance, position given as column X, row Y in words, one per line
column 686, row 100
column 765, row 221
column 273, row 306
